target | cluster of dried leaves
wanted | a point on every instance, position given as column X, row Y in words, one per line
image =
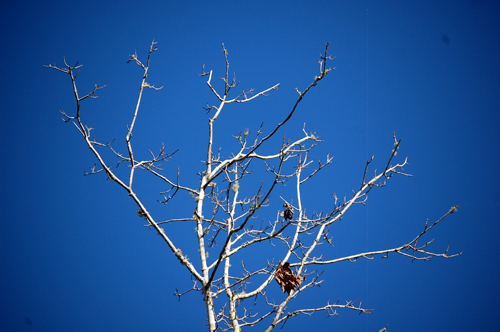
column 288, row 213
column 286, row 279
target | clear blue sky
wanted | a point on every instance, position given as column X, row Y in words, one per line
column 75, row 257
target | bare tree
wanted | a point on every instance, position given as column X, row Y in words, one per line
column 226, row 221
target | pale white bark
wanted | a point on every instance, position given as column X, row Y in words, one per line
column 230, row 219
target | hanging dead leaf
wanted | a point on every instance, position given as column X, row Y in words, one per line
column 286, row 279
column 288, row 213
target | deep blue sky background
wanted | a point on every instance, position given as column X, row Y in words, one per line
column 75, row 257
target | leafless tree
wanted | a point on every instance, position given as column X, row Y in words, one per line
column 226, row 221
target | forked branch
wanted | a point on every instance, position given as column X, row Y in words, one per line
column 224, row 215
